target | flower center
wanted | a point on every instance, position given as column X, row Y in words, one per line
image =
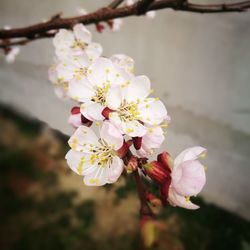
column 79, row 44
column 100, row 94
column 128, row 111
column 79, row 72
column 103, row 154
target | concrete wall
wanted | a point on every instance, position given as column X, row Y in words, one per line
column 199, row 66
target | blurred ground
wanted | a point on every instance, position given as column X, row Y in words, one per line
column 46, row 206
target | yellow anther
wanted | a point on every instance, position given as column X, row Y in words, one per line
column 203, row 155
column 130, row 130
column 150, row 130
column 97, row 124
column 187, row 198
column 205, row 168
column 152, row 91
column 157, row 99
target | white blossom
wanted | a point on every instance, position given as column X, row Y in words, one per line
column 96, row 158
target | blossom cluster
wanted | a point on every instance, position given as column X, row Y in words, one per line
column 111, row 96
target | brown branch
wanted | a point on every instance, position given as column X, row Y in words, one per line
column 41, row 30
column 145, row 210
column 115, row 4
column 142, row 6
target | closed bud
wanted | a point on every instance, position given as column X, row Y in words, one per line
column 165, row 159
column 157, row 171
column 153, row 199
column 132, row 165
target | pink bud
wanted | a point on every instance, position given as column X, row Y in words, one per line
column 99, row 27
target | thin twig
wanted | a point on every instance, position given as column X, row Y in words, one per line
column 41, row 30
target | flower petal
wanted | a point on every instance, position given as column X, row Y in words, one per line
column 114, row 97
column 82, row 34
column 80, row 90
column 115, row 170
column 75, row 120
column 152, row 111
column 177, row 200
column 82, row 139
column 192, row 153
column 97, row 178
column 133, row 128
column 110, row 134
column 94, row 50
column 79, row 162
column 138, row 89
column 92, row 111
column 124, row 62
column 188, row 178
column 104, row 72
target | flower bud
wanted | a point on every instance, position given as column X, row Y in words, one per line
column 165, row 159
column 153, row 199
column 157, row 171
column 132, row 165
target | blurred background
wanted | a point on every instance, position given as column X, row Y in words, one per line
column 199, row 67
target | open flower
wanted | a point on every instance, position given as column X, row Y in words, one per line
column 92, row 89
column 188, row 177
column 75, row 42
column 75, row 66
column 96, row 158
column 132, row 109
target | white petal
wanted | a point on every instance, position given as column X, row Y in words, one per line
column 75, row 120
column 80, row 90
column 115, row 170
column 103, row 71
column 111, row 135
column 98, row 178
column 124, row 62
column 180, row 201
column 94, row 50
column 188, row 178
column 133, row 128
column 60, row 92
column 114, row 97
column 138, row 89
column 192, row 153
column 92, row 111
column 152, row 111
column 79, row 162
column 62, row 41
column 82, row 139
column 154, row 137
column 82, row 34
